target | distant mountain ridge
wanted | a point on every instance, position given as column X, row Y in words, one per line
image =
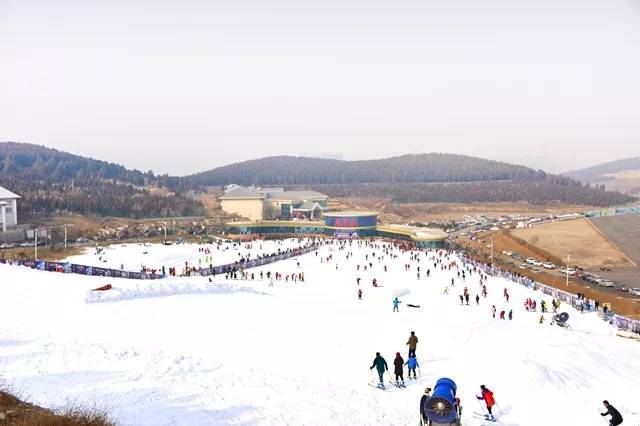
column 50, row 180
column 619, row 175
column 433, row 167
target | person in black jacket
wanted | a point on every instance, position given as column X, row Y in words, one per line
column 616, row 418
column 427, row 394
column 381, row 365
column 398, row 363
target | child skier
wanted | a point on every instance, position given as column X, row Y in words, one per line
column 487, row 397
column 398, row 364
column 396, row 303
column 411, row 364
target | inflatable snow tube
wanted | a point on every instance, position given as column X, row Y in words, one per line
column 441, row 408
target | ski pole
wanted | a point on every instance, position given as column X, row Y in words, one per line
column 481, row 406
column 499, row 408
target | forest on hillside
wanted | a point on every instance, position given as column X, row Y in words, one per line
column 53, row 181
column 285, row 170
column 534, row 192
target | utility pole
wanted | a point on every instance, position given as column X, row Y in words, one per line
column 65, row 236
column 35, row 244
column 567, row 269
column 492, row 251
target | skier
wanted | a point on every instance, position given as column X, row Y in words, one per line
column 359, row 294
column 398, row 364
column 487, row 397
column 413, row 343
column 616, row 417
column 381, row 366
column 493, row 310
column 466, row 298
column 396, row 303
column 411, row 364
column 477, row 299
column 510, row 314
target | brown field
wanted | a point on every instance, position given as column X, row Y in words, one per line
column 586, row 245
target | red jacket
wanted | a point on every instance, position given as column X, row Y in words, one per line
column 487, row 395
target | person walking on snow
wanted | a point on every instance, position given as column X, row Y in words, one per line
column 411, row 364
column 477, row 299
column 616, row 417
column 413, row 343
column 427, row 394
column 398, row 370
column 359, row 294
column 381, row 366
column 487, row 396
column 396, row 303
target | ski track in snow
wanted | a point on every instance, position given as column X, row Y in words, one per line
column 243, row 353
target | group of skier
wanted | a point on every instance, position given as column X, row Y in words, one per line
column 380, row 364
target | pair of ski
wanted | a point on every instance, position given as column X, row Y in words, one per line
column 484, row 416
column 382, row 387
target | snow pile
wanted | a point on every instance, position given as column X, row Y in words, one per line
column 159, row 288
column 302, row 355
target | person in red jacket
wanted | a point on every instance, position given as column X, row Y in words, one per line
column 487, row 396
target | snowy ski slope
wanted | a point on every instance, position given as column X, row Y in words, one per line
column 183, row 351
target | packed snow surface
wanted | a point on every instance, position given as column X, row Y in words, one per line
column 186, row 351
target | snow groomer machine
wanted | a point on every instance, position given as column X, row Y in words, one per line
column 442, row 408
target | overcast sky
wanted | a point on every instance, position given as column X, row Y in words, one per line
column 185, row 86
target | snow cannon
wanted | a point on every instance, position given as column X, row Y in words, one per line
column 441, row 408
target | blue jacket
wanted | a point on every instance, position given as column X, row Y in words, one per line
column 396, row 302
column 412, row 363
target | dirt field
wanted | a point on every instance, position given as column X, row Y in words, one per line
column 586, row 244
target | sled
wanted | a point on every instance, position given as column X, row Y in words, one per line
column 103, row 288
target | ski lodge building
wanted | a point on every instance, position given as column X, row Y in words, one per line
column 341, row 224
column 272, row 203
column 8, row 209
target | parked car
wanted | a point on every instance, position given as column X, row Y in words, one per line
column 635, row 291
column 537, row 263
column 523, row 266
column 548, row 265
column 535, row 270
column 530, row 260
column 606, row 283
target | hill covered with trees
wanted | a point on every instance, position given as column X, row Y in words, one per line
column 286, row 170
column 55, row 181
column 49, row 180
column 412, row 178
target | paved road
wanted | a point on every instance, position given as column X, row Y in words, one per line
column 624, row 232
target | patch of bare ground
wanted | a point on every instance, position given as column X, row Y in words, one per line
column 586, row 245
column 16, row 412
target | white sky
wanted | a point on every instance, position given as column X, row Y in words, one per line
column 185, row 86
